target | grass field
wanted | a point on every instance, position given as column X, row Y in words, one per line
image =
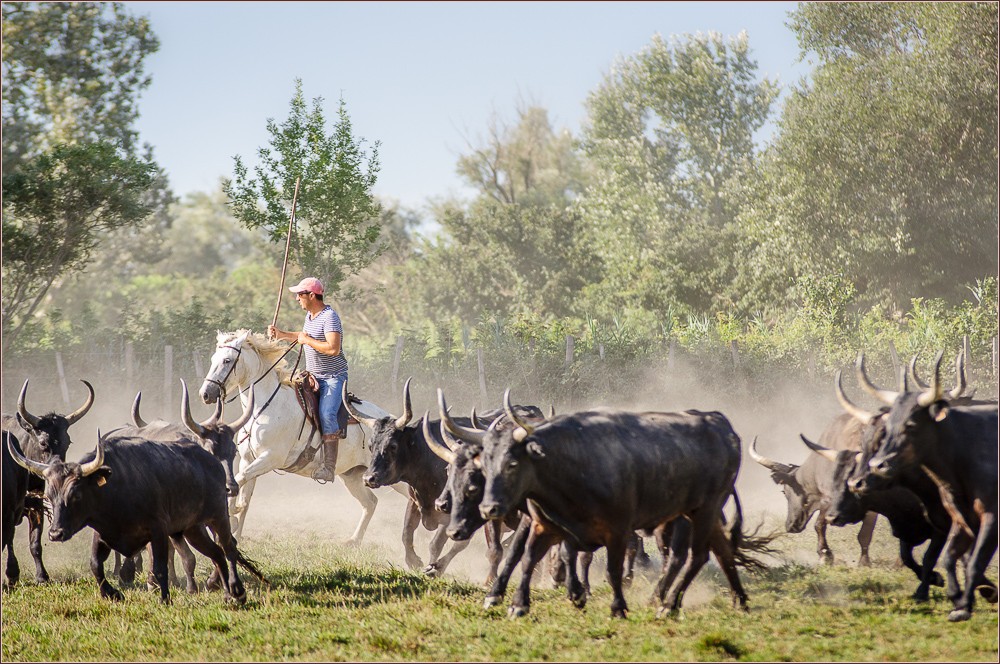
column 333, row 603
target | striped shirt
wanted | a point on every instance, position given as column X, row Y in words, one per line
column 319, row 364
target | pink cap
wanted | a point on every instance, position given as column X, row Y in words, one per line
column 308, row 285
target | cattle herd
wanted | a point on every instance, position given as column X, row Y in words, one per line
column 564, row 484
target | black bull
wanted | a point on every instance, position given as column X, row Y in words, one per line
column 134, row 491
column 461, row 499
column 958, row 446
column 46, row 436
column 15, row 489
column 594, row 477
column 808, row 487
column 401, row 453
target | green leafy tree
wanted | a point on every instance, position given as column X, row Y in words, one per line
column 72, row 73
column 885, row 165
column 499, row 258
column 528, row 162
column 53, row 209
column 670, row 134
column 337, row 216
column 74, row 171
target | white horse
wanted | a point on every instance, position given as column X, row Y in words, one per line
column 243, row 362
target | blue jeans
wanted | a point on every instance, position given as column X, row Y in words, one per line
column 331, row 392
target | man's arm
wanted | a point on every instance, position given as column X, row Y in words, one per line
column 329, row 347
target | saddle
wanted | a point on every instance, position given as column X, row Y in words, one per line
column 307, row 394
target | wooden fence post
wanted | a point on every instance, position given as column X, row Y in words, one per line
column 569, row 351
column 168, row 377
column 734, row 349
column 198, row 367
column 62, row 378
column 895, row 361
column 395, row 361
column 482, row 378
column 129, row 365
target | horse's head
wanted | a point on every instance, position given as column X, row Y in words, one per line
column 229, row 371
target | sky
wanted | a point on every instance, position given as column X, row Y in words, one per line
column 421, row 78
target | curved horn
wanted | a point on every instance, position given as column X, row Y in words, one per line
column 934, row 393
column 764, row 461
column 825, row 452
column 960, row 383
column 437, row 448
column 33, row 467
column 28, row 417
column 552, row 411
column 75, row 416
column 196, row 429
column 913, row 375
column 245, row 417
column 885, row 396
column 903, row 384
column 448, row 439
column 136, row 419
column 356, row 414
column 527, row 428
column 407, row 415
column 859, row 414
column 477, row 422
column 91, row 466
column 473, row 436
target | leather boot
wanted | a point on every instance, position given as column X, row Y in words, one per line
column 327, row 471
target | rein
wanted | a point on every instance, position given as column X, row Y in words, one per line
column 239, row 351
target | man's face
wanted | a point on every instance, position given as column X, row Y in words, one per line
column 303, row 298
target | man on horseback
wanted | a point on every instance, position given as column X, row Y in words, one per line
column 322, row 337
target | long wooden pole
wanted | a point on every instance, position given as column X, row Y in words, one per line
column 288, row 243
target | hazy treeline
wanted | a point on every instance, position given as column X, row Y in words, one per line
column 661, row 230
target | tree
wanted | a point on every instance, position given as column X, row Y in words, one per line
column 337, row 216
column 54, row 206
column 73, row 167
column 72, row 72
column 670, row 133
column 885, row 165
column 528, row 162
column 500, row 259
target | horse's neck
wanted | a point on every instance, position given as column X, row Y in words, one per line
column 264, row 386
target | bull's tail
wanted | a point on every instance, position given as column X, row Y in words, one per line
column 745, row 544
column 251, row 567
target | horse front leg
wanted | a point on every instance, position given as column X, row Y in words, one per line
column 365, row 496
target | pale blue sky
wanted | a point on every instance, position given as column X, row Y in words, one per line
column 420, row 77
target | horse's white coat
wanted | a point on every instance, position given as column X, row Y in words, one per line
column 270, row 440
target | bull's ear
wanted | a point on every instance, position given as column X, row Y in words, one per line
column 535, row 450
column 939, row 410
column 101, row 475
column 779, row 477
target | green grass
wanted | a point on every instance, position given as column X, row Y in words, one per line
column 332, row 603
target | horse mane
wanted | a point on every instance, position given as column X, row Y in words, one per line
column 269, row 351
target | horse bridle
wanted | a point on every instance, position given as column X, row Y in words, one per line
column 222, row 383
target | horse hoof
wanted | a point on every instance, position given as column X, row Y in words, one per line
column 491, row 601
column 432, row 571
column 959, row 615
column 619, row 613
column 989, row 593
